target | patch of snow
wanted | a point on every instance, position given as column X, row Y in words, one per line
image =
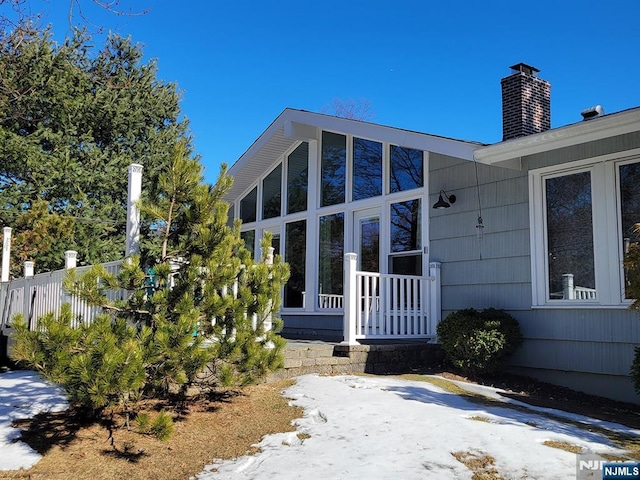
column 23, row 394
column 385, row 427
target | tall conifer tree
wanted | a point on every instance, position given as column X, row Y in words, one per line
column 72, row 118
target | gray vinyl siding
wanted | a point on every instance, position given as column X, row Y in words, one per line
column 619, row 143
column 593, row 344
column 494, row 271
column 316, row 327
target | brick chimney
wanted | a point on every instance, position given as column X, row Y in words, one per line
column 526, row 102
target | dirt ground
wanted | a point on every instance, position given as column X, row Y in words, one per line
column 223, row 427
column 227, row 427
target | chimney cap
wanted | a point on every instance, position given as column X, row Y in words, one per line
column 524, row 68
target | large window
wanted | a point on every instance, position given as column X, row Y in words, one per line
column 248, row 206
column 298, row 179
column 271, row 196
column 406, row 238
column 569, row 229
column 582, row 221
column 295, row 254
column 367, row 169
column 333, row 166
column 331, row 254
column 249, row 237
column 406, row 172
column 629, row 175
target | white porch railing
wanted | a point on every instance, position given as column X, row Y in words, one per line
column 570, row 291
column 37, row 295
column 388, row 306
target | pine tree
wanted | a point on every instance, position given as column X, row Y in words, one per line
column 198, row 308
column 73, row 116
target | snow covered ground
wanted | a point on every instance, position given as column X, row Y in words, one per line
column 23, row 394
column 384, row 427
column 366, row 427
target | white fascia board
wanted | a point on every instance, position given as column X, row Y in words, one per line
column 258, row 144
column 300, row 124
column 404, row 138
column 507, row 154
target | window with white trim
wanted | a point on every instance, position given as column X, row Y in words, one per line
column 582, row 221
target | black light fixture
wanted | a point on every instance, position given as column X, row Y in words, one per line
column 442, row 203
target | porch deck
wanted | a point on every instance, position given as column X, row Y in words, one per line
column 330, row 358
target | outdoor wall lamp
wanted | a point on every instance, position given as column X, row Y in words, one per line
column 442, row 203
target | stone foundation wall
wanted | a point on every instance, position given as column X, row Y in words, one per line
column 331, row 359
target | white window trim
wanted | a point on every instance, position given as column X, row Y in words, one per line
column 606, row 227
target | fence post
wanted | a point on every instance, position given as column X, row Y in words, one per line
column 70, row 259
column 133, row 212
column 350, row 300
column 435, row 300
column 6, row 253
column 26, row 296
column 268, row 321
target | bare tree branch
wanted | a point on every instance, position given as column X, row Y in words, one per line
column 352, row 109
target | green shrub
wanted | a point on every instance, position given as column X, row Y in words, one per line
column 478, row 341
column 143, row 422
column 635, row 370
column 162, row 426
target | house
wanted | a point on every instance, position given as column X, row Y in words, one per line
column 388, row 230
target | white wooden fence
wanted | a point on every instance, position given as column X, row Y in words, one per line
column 37, row 295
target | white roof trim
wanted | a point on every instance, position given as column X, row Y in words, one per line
column 508, row 153
column 291, row 126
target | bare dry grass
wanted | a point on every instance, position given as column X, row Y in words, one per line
column 481, row 464
column 566, row 446
column 204, row 430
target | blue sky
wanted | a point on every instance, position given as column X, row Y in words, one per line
column 422, row 65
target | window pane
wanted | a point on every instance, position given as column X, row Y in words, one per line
column 298, row 179
column 249, row 237
column 405, row 264
column 405, row 226
column 334, row 161
column 367, row 169
column 248, row 206
column 406, row 169
column 275, row 243
column 271, row 197
column 295, row 255
column 331, row 254
column 231, row 215
column 570, row 237
column 370, row 244
column 629, row 204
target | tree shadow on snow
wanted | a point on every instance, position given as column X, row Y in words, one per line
column 504, row 414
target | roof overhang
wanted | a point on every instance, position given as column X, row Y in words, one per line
column 509, row 154
column 293, row 126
